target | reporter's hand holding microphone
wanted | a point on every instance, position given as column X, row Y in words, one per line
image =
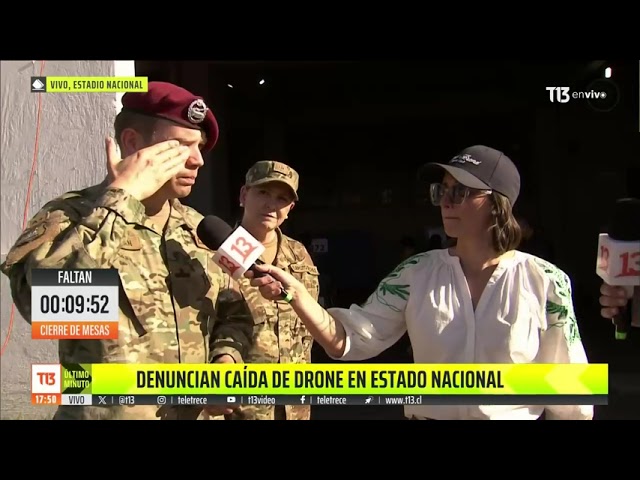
column 237, row 254
column 613, row 300
column 272, row 281
column 619, row 267
column 325, row 329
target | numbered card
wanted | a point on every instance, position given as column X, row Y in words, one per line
column 238, row 253
column 320, row 245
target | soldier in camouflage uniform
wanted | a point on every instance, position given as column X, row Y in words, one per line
column 269, row 194
column 174, row 300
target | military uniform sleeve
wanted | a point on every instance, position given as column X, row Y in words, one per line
column 59, row 237
column 379, row 322
column 232, row 332
column 560, row 341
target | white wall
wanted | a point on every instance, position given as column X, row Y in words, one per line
column 70, row 156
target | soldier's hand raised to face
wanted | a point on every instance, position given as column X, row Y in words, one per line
column 144, row 172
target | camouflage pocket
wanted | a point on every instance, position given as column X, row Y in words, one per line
column 266, row 312
column 307, row 343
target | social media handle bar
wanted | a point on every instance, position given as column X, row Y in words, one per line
column 311, row 399
column 194, row 400
column 174, row 400
column 363, row 399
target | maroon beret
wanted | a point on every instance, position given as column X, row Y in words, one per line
column 170, row 102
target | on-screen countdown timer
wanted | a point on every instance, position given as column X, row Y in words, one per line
column 74, row 304
column 75, row 312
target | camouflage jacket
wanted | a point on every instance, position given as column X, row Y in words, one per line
column 279, row 336
column 176, row 305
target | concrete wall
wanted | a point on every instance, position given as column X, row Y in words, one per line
column 70, row 155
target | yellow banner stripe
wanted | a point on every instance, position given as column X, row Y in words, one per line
column 96, row 84
column 286, row 379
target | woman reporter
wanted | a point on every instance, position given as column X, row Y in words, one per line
column 480, row 301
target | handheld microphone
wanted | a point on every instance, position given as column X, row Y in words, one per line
column 236, row 250
column 619, row 259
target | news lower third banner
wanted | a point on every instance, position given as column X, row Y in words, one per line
column 109, row 384
column 89, row 84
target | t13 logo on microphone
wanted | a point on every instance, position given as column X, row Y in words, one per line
column 238, row 253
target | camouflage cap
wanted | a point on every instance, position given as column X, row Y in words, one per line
column 267, row 171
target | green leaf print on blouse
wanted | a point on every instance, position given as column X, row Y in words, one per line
column 560, row 315
column 387, row 288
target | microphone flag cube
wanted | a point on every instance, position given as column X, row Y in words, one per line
column 618, row 262
column 238, row 253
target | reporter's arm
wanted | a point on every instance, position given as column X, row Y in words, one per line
column 359, row 332
column 324, row 328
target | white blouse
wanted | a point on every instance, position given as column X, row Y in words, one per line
column 525, row 315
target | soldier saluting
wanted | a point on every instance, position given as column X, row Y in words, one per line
column 174, row 300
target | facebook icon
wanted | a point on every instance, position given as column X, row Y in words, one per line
column 302, row 399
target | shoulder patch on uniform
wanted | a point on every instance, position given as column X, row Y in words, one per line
column 131, row 242
column 32, row 238
column 31, row 234
column 304, row 268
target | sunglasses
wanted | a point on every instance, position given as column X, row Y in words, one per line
column 456, row 194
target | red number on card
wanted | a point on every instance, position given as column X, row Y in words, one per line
column 604, row 257
column 629, row 263
column 243, row 247
column 230, row 265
